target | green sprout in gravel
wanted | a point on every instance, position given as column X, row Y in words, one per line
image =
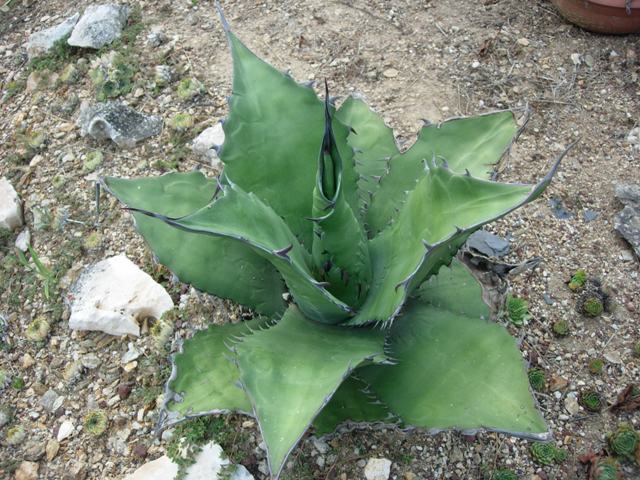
column 18, row 383
column 189, row 437
column 162, row 329
column 15, row 435
column 596, row 365
column 347, row 248
column 46, row 275
column 503, row 474
column 624, row 441
column 578, row 280
column 92, row 241
column 592, row 306
column 115, row 81
column 95, row 422
column 12, row 89
column 37, row 330
column 190, row 88
column 92, row 161
column 594, row 299
column 517, row 310
column 55, row 58
column 636, row 349
column 537, row 379
column 561, row 328
column 590, row 400
column 181, row 122
column 547, row 453
column 606, row 468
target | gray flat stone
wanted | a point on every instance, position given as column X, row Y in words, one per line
column 41, row 42
column 627, row 222
column 118, row 122
column 99, row 26
column 488, row 244
column 51, row 401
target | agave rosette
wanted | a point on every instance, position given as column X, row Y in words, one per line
column 383, row 324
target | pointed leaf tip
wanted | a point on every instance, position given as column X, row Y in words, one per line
column 223, row 20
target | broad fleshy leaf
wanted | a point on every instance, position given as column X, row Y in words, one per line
column 453, row 368
column 219, row 266
column 473, row 144
column 291, row 370
column 440, row 213
column 272, row 139
column 353, row 404
column 372, row 141
column 244, row 218
column 204, row 379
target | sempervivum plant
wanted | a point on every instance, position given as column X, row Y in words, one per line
column 346, row 247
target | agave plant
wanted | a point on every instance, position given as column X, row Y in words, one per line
column 345, row 247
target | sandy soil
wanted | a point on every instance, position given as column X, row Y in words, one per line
column 412, row 61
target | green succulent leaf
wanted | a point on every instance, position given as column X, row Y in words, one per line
column 272, row 138
column 418, row 243
column 220, row 266
column 244, row 218
column 340, row 248
column 353, row 404
column 291, row 370
column 204, row 379
column 454, row 368
column 372, row 141
column 473, row 144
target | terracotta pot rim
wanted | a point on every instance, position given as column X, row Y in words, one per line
column 616, row 3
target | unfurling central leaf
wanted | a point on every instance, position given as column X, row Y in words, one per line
column 340, row 248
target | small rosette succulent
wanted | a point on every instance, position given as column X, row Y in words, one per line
column 346, row 247
column 547, row 453
column 624, row 441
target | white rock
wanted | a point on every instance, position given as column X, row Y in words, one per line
column 112, row 294
column 207, row 143
column 571, row 403
column 613, row 356
column 320, row 445
column 90, row 361
column 208, row 466
column 99, row 26
column 51, row 401
column 10, row 206
column 65, row 430
column 131, row 354
column 209, row 463
column 160, row 469
column 27, row 471
column 157, row 36
column 377, row 469
column 42, row 41
column 241, row 473
column 23, row 240
column 634, row 138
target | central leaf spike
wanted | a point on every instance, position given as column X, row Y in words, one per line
column 329, row 162
column 338, row 259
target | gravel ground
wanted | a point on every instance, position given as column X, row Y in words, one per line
column 411, row 60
